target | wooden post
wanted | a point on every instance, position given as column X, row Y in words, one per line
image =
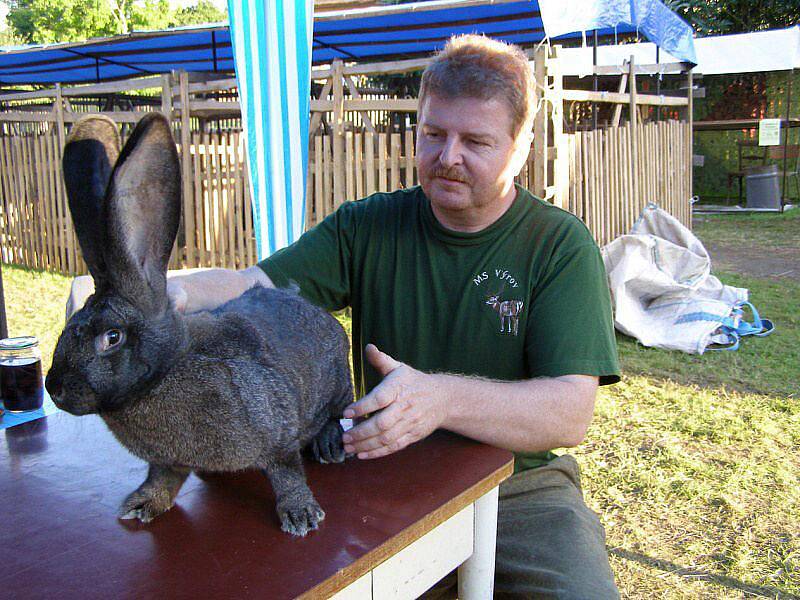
column 623, row 83
column 634, row 124
column 561, row 159
column 338, row 133
column 59, row 108
column 166, row 95
column 540, row 124
column 186, row 170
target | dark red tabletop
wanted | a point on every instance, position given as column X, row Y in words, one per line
column 62, row 479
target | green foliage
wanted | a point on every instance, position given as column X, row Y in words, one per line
column 49, row 21
column 203, row 12
column 717, row 17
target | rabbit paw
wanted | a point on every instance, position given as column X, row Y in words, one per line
column 327, row 445
column 298, row 518
column 145, row 504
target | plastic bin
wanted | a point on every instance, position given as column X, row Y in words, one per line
column 763, row 188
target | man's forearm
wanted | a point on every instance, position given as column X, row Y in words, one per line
column 208, row 289
column 532, row 415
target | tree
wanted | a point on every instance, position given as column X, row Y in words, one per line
column 203, row 12
column 48, row 21
column 716, row 17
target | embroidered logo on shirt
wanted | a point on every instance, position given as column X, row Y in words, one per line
column 508, row 309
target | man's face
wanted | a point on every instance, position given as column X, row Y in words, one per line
column 464, row 159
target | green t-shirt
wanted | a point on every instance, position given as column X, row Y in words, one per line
column 526, row 297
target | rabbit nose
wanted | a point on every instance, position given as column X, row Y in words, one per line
column 53, row 386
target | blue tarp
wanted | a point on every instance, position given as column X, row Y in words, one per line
column 406, row 31
column 651, row 18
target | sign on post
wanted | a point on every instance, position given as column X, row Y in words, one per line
column 769, row 132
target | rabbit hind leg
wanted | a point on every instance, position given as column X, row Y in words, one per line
column 297, row 509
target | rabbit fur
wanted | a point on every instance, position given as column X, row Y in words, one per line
column 247, row 385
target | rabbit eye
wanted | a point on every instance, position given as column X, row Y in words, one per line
column 110, row 339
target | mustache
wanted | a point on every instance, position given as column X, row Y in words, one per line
column 453, row 173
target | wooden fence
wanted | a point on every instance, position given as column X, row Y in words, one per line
column 608, row 189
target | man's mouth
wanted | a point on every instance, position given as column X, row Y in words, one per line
column 451, row 176
column 451, row 181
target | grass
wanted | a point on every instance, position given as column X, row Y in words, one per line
column 35, row 305
column 766, row 230
column 692, row 462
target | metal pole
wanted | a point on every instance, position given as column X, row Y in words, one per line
column 594, row 78
column 786, row 136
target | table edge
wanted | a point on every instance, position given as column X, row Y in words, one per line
column 372, row 559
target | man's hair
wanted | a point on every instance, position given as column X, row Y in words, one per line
column 474, row 66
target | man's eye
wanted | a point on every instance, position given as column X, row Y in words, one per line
column 110, row 339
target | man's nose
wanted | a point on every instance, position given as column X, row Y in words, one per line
column 451, row 153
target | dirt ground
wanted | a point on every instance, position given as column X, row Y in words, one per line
column 760, row 248
column 775, row 263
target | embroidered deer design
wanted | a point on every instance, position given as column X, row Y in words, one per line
column 509, row 311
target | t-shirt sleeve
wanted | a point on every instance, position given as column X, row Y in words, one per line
column 570, row 325
column 320, row 262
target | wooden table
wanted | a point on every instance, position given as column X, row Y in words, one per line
column 394, row 526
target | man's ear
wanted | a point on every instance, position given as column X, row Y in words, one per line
column 522, row 148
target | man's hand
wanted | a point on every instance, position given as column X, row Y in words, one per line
column 407, row 406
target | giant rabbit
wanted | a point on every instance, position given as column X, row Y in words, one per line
column 247, row 385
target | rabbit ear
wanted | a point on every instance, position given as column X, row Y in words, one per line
column 90, row 152
column 143, row 210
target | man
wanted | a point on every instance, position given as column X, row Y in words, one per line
column 477, row 308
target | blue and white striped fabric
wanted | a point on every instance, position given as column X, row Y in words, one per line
column 272, row 49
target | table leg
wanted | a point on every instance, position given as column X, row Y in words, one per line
column 476, row 574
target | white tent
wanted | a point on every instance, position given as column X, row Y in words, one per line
column 773, row 50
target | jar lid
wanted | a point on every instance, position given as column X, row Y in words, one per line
column 19, row 343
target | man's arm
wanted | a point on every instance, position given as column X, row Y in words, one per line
column 210, row 288
column 524, row 416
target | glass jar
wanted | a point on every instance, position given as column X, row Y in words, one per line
column 21, row 386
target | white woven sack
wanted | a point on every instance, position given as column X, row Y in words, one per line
column 661, row 285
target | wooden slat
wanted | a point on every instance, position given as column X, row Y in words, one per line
column 248, row 204
column 338, row 134
column 201, row 246
column 616, row 98
column 240, row 202
column 186, row 172
column 539, row 164
column 6, row 199
column 349, row 167
column 409, row 158
column 54, row 175
column 230, row 200
column 327, row 182
column 319, row 204
column 369, row 150
column 395, row 161
column 382, row 174
column 359, row 165
column 216, row 200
